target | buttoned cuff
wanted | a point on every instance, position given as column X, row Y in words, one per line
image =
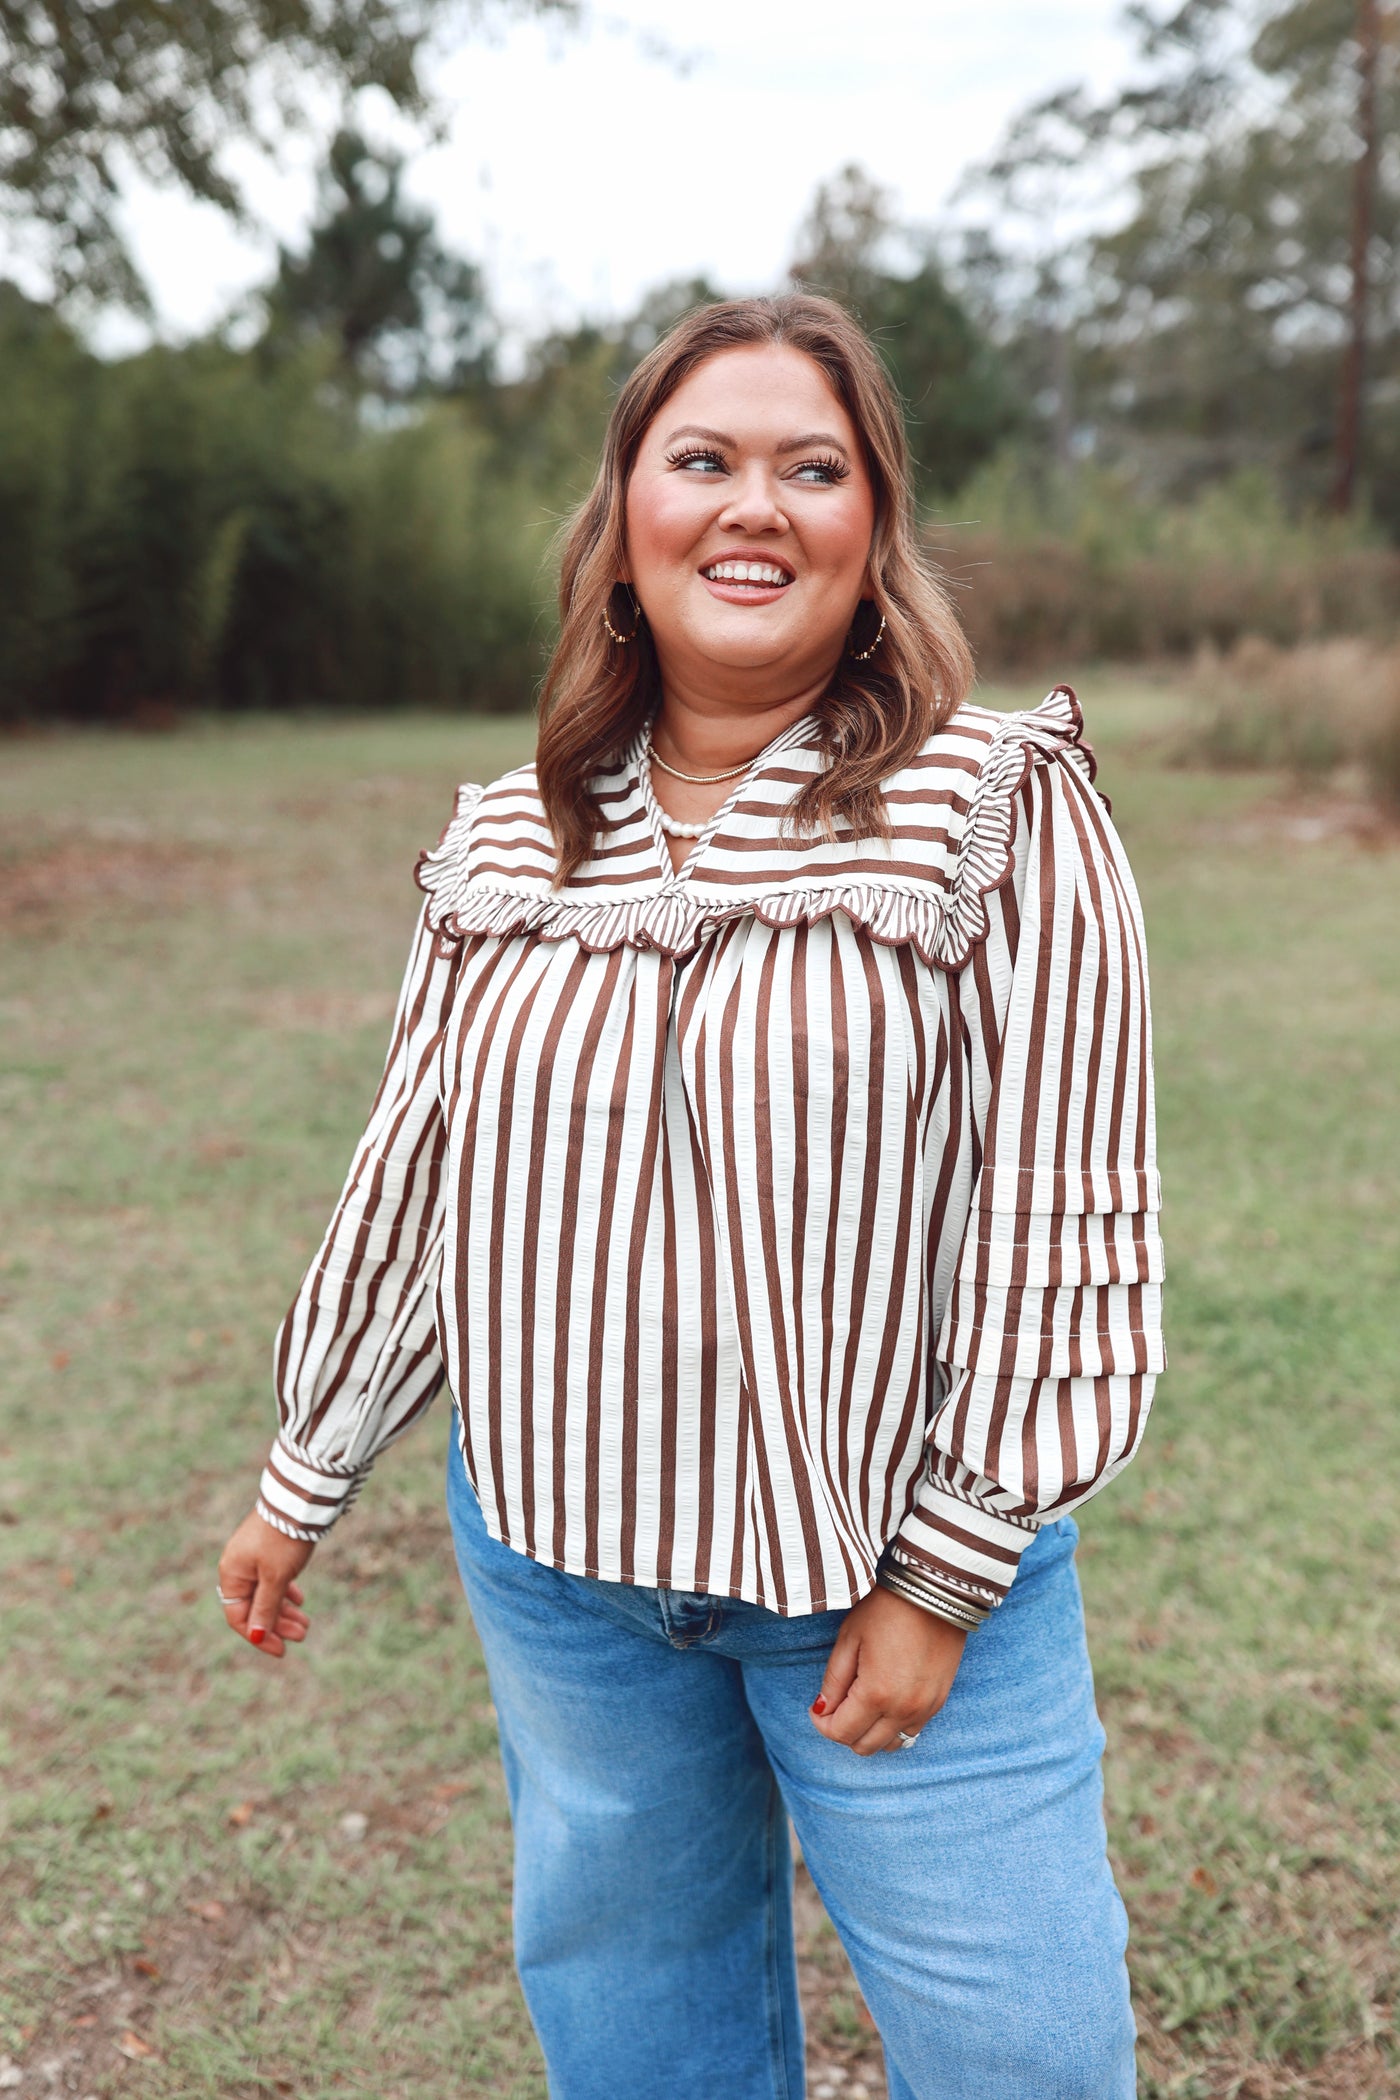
column 302, row 1499
column 963, row 1544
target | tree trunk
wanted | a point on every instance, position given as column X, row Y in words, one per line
column 1351, row 407
column 1062, row 379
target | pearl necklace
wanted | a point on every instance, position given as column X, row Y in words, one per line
column 674, row 829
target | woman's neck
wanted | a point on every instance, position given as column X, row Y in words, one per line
column 701, row 734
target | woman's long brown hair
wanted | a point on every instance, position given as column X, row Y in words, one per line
column 874, row 716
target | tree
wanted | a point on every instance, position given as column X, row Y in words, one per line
column 957, row 401
column 90, row 93
column 1209, row 323
column 1363, row 197
column 407, row 316
column 547, row 423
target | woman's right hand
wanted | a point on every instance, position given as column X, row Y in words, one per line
column 261, row 1598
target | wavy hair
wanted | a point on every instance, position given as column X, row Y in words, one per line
column 874, row 716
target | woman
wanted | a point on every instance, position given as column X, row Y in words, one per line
column 765, row 1159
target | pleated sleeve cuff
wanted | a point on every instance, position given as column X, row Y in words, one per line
column 301, row 1498
column 962, row 1543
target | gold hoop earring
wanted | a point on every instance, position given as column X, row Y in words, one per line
column 623, row 639
column 863, row 656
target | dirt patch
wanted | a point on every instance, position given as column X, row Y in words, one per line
column 1359, row 2071
column 97, row 2038
column 45, row 885
column 1318, row 820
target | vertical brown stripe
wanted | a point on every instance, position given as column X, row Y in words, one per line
column 761, row 1456
column 597, row 1322
column 602, row 984
column 566, row 994
column 787, row 1392
column 514, row 959
column 655, row 1047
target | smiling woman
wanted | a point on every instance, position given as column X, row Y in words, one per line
column 765, row 1159
column 761, row 433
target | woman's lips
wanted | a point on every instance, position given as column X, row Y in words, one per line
column 746, row 579
column 745, row 593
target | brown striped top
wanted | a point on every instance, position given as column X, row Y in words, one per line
column 767, row 1213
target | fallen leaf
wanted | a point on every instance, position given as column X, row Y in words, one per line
column 190, row 1596
column 241, row 1815
column 60, row 1360
column 101, row 1811
column 86, row 2020
column 145, row 1967
column 1203, row 1879
column 449, row 1790
column 132, row 2045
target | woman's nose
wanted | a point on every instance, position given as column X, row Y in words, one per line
column 753, row 504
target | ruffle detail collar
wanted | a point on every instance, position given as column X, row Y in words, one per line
column 943, row 917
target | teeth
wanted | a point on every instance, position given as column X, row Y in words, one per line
column 746, row 572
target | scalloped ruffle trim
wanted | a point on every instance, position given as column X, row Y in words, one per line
column 943, row 926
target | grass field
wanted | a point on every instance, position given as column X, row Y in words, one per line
column 222, row 1878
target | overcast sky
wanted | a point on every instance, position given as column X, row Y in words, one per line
column 581, row 169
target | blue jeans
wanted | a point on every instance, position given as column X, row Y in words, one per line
column 656, row 1743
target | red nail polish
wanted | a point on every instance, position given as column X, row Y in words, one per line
column 257, row 1635
column 819, row 1704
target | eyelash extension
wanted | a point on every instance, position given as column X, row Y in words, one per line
column 685, row 453
column 836, row 468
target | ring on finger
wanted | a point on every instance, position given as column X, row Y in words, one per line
column 228, row 1600
column 907, row 1742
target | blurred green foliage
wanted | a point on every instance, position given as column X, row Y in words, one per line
column 356, row 508
column 1168, row 268
column 346, row 497
column 210, row 527
column 1054, row 568
column 957, row 389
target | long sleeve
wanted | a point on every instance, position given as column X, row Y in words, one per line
column 1049, row 1339
column 357, row 1357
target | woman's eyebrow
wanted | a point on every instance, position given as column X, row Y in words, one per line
column 729, row 444
column 812, row 437
column 698, row 430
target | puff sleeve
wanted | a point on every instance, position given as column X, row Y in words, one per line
column 357, row 1356
column 1046, row 1328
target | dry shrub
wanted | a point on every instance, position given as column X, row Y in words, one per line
column 1042, row 605
column 1056, row 568
column 1315, row 710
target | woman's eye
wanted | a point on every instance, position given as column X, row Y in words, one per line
column 825, row 472
column 702, row 462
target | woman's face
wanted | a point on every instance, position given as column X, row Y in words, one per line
column 749, row 518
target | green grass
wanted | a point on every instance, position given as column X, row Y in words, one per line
column 200, row 938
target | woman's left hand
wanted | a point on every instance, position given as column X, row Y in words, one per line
column 890, row 1670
